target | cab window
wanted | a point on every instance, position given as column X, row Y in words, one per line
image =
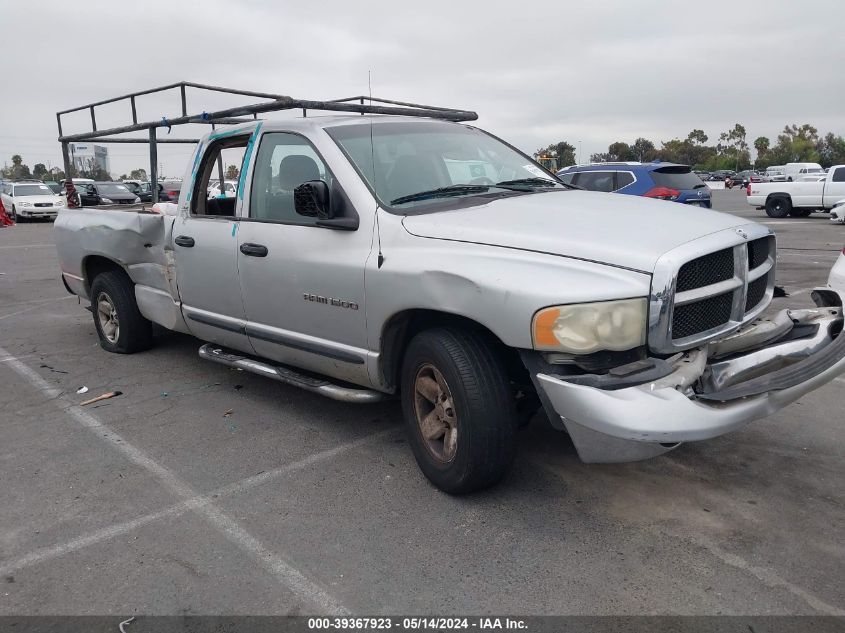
column 284, row 162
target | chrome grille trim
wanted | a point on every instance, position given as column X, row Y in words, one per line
column 761, row 270
column 691, row 296
column 663, row 297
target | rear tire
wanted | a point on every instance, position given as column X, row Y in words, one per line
column 120, row 325
column 458, row 408
column 778, row 207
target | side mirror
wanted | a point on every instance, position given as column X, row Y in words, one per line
column 311, row 199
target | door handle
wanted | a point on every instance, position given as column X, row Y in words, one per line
column 184, row 240
column 254, row 250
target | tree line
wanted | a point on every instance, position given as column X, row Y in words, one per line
column 19, row 170
column 797, row 143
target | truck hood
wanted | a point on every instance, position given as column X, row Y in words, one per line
column 613, row 229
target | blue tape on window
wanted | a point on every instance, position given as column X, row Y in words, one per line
column 245, row 164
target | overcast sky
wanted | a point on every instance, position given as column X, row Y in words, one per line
column 536, row 72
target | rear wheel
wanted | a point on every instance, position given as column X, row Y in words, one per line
column 458, row 408
column 120, row 325
column 778, row 207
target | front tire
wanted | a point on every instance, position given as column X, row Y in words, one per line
column 458, row 408
column 778, row 207
column 120, row 325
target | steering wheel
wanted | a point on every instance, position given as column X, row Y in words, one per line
column 481, row 180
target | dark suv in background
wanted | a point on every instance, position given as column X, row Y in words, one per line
column 664, row 181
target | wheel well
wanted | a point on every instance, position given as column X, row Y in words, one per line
column 403, row 326
column 95, row 265
column 779, row 194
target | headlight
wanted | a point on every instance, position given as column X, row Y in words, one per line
column 24, row 204
column 58, row 203
column 106, row 200
column 584, row 328
column 137, row 199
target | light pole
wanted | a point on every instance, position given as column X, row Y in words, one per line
column 579, row 151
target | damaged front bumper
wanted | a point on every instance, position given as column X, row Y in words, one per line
column 702, row 393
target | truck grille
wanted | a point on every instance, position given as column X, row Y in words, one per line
column 711, row 294
column 706, row 270
column 701, row 316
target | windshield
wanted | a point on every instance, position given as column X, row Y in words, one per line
column 437, row 160
column 33, row 190
column 676, row 178
column 112, row 188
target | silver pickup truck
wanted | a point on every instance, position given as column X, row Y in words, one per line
column 371, row 256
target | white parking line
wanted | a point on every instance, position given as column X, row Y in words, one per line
column 284, row 572
column 35, row 307
column 789, row 222
column 766, row 575
column 104, row 534
column 24, row 246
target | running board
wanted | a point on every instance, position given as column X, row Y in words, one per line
column 289, row 376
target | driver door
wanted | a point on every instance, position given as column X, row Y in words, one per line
column 302, row 284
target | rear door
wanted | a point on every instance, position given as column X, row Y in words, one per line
column 834, row 188
column 205, row 248
column 600, row 180
column 302, row 284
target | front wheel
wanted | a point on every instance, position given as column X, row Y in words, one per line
column 778, row 207
column 120, row 325
column 458, row 409
column 14, row 215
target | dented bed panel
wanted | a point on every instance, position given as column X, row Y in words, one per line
column 136, row 241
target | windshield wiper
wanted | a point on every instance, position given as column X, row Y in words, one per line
column 529, row 182
column 441, row 192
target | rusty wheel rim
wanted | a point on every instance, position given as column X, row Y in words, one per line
column 435, row 412
column 107, row 316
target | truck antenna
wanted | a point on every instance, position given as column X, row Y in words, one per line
column 373, row 159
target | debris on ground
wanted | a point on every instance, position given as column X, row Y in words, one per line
column 228, row 413
column 780, row 291
column 82, row 389
column 124, row 623
column 238, row 387
column 105, row 396
column 52, row 369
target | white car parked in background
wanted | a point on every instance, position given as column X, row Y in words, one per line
column 794, row 171
column 837, row 274
column 837, row 212
column 30, row 199
column 776, row 173
column 230, row 187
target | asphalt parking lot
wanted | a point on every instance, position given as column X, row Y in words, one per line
column 203, row 490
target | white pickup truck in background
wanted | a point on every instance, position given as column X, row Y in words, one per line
column 798, row 199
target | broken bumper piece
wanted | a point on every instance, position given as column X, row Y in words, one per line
column 710, row 391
